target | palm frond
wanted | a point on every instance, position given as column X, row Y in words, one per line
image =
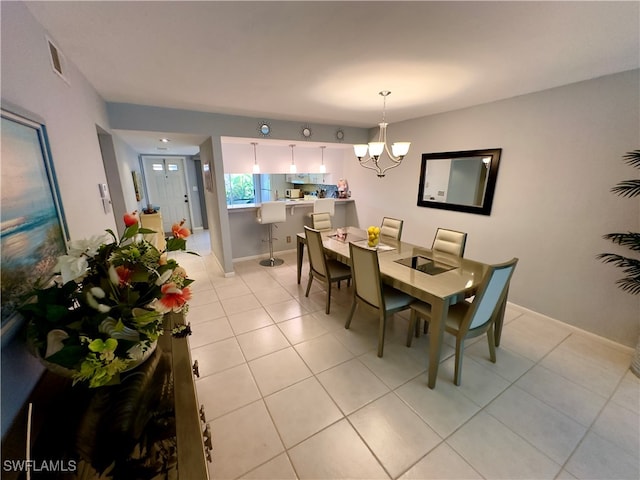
column 630, row 267
column 630, row 239
column 627, row 188
column 633, row 158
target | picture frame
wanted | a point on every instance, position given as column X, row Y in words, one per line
column 33, row 228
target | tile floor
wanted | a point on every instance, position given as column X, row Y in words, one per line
column 289, row 393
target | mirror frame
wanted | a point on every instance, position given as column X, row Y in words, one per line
column 485, row 208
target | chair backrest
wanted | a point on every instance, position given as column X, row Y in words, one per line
column 449, row 241
column 321, row 221
column 365, row 272
column 325, row 205
column 272, row 212
column 490, row 295
column 391, row 227
column 317, row 258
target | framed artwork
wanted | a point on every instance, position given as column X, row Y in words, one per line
column 208, row 179
column 33, row 230
column 137, row 185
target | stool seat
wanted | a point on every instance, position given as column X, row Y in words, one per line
column 268, row 214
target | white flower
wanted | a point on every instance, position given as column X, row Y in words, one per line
column 88, row 245
column 71, row 268
column 164, row 277
column 93, row 303
column 97, row 292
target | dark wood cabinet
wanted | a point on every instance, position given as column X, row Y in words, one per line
column 150, row 426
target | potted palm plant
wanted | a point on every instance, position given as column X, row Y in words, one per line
column 630, row 266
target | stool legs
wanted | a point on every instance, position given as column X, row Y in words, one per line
column 271, row 261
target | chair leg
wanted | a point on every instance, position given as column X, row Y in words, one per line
column 381, row 329
column 458, row 370
column 353, row 309
column 492, row 344
column 328, row 297
column 309, row 284
column 412, row 327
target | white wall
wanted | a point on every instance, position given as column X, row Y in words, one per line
column 562, row 151
column 70, row 111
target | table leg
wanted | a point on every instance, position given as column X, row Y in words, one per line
column 300, row 250
column 439, row 311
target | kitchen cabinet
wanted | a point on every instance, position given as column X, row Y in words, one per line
column 309, row 178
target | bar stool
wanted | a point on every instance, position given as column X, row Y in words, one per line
column 268, row 214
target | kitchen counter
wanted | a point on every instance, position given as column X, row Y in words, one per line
column 249, row 236
column 290, row 203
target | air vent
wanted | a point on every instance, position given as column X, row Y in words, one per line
column 58, row 61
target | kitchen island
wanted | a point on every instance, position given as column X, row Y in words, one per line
column 247, row 235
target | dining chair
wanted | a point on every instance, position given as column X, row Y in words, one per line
column 268, row 214
column 449, row 241
column 468, row 319
column 327, row 270
column 391, row 227
column 321, row 221
column 325, row 205
column 371, row 292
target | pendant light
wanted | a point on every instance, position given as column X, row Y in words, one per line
column 292, row 167
column 256, row 167
column 323, row 168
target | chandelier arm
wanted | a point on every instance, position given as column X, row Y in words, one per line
column 376, row 168
column 396, row 160
column 393, row 165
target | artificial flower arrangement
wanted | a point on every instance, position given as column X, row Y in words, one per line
column 104, row 313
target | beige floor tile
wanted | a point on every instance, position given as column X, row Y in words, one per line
column 204, row 333
column 235, row 289
column 395, row 434
column 262, row 341
column 444, row 408
column 203, row 313
column 497, row 452
column 301, row 329
column 272, row 294
column 302, row 410
column 621, row 427
column 628, row 392
column 218, row 356
column 443, row 463
column 279, row 468
column 278, row 370
column 322, row 353
column 352, row 385
column 479, row 384
column 249, row 320
column 509, row 365
column 597, row 350
column 239, row 304
column 226, row 391
column 242, row 440
column 597, row 458
column 573, row 400
column 544, row 427
column 398, row 365
column 525, row 337
column 336, row 452
column 285, row 310
column 203, row 297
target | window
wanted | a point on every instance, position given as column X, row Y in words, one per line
column 239, row 188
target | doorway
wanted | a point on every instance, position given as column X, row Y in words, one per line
column 166, row 183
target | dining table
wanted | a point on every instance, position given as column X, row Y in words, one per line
column 436, row 278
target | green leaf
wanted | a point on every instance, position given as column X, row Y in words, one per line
column 131, row 231
column 110, row 232
column 174, row 244
column 627, row 188
column 630, row 239
column 146, row 231
column 633, row 158
column 68, row 357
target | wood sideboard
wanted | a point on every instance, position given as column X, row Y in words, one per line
column 148, row 427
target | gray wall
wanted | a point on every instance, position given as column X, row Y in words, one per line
column 561, row 155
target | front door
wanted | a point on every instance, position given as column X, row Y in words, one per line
column 167, row 187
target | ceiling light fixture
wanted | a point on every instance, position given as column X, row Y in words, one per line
column 323, row 168
column 165, row 140
column 256, row 167
column 292, row 167
column 398, row 149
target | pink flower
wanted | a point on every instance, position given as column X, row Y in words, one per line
column 173, row 298
column 179, row 231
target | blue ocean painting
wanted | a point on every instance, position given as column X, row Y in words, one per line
column 31, row 236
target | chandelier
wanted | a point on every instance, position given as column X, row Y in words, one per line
column 398, row 149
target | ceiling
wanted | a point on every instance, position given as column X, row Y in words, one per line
column 325, row 62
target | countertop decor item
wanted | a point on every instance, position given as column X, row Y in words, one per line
column 103, row 314
column 374, row 236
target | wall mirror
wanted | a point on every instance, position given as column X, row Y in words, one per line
column 461, row 181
